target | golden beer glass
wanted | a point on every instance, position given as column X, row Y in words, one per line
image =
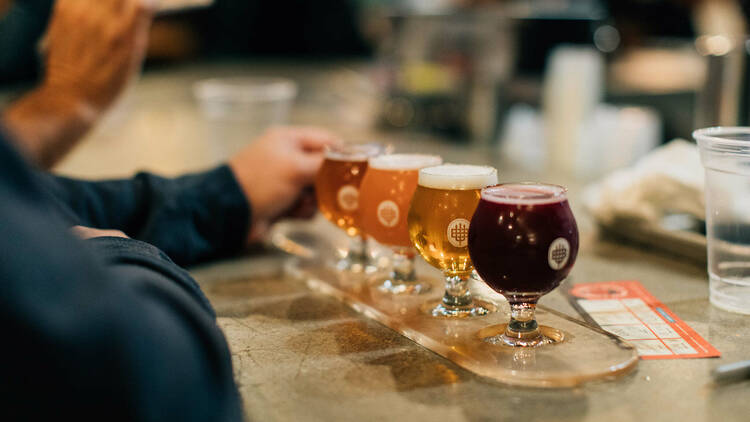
column 439, row 217
column 387, row 189
column 337, row 189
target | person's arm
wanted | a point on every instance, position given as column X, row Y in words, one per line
column 134, row 340
column 93, row 50
column 204, row 215
column 191, row 218
column 108, row 328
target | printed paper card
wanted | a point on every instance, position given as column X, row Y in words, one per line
column 627, row 309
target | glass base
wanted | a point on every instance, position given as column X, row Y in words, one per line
column 730, row 294
column 478, row 307
column 497, row 335
column 388, row 285
column 355, row 267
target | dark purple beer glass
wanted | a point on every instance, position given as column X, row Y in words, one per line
column 523, row 240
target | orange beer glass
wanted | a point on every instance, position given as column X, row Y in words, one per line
column 337, row 189
column 387, row 189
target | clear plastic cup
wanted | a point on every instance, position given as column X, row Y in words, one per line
column 238, row 109
column 725, row 153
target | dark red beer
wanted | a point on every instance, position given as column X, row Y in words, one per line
column 523, row 239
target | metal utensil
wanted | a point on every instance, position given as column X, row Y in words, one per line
column 732, row 371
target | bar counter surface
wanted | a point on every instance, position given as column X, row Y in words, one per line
column 302, row 356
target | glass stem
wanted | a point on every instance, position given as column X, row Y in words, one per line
column 523, row 324
column 356, row 254
column 403, row 267
column 457, row 293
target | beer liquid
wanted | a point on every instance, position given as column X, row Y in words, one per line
column 387, row 189
column 439, row 227
column 337, row 188
column 441, row 210
column 523, row 240
column 386, row 195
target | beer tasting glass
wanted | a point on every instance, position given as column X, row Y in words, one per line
column 523, row 240
column 387, row 189
column 441, row 208
column 337, row 189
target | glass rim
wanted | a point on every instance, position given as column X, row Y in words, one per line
column 426, row 170
column 353, row 152
column 245, row 89
column 481, row 177
column 710, row 134
column 556, row 193
column 415, row 164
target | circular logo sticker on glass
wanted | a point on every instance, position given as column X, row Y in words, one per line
column 348, row 197
column 559, row 253
column 458, row 232
column 388, row 213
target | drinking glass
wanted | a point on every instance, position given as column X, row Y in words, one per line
column 387, row 189
column 238, row 109
column 337, row 189
column 523, row 240
column 443, row 203
column 725, row 153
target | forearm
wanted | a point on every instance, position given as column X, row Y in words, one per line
column 132, row 333
column 192, row 218
column 104, row 327
column 46, row 124
column 197, row 216
column 133, row 255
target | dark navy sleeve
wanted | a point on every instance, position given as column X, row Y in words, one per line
column 191, row 218
column 21, row 28
column 122, row 252
column 103, row 329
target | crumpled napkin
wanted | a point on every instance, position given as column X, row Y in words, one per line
column 668, row 180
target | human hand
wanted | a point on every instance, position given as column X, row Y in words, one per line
column 90, row 232
column 276, row 171
column 92, row 50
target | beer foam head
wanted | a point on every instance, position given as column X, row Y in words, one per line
column 404, row 161
column 525, row 194
column 457, row 177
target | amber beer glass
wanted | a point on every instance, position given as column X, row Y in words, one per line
column 439, row 217
column 387, row 190
column 337, row 189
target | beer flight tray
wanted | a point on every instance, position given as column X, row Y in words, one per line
column 582, row 352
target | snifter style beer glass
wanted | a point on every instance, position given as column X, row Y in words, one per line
column 387, row 189
column 337, row 189
column 439, row 217
column 523, row 240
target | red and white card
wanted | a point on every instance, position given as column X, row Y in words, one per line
column 627, row 309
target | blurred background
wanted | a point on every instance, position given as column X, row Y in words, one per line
column 584, row 86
